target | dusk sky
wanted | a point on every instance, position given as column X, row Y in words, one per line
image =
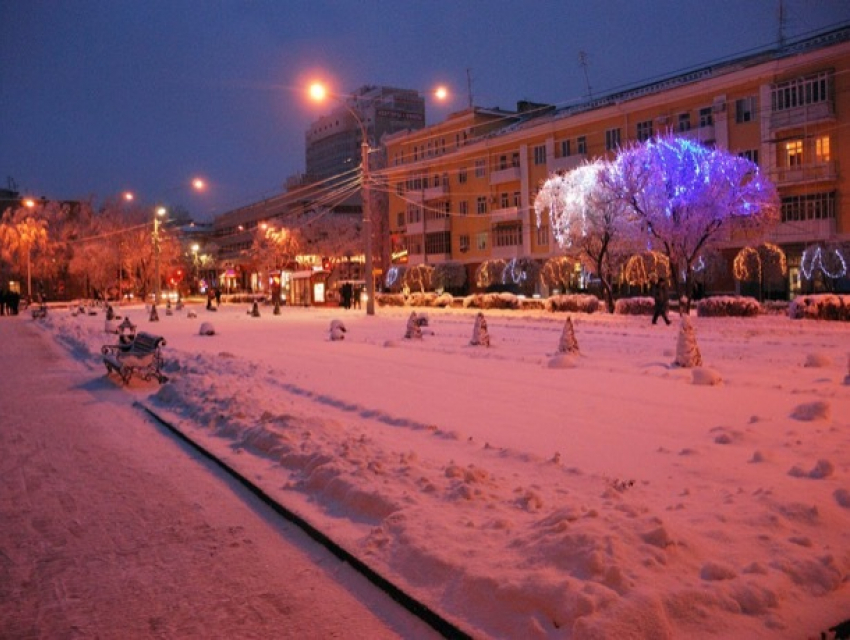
column 100, row 97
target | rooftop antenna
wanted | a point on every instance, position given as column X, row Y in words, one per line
column 469, row 86
column 582, row 62
column 782, row 18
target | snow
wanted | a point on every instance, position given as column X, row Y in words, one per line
column 524, row 493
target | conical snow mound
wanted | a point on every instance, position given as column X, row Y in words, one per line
column 480, row 335
column 687, row 351
column 414, row 329
column 337, row 330
column 568, row 343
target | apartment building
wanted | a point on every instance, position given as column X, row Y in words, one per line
column 463, row 190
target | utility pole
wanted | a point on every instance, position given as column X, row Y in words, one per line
column 582, row 61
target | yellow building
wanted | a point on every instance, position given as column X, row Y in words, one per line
column 478, row 172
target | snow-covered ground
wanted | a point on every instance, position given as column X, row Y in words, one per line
column 526, row 494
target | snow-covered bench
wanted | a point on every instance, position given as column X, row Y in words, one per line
column 39, row 312
column 142, row 356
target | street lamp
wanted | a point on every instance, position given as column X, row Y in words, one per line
column 159, row 212
column 318, row 92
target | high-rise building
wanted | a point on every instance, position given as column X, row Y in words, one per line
column 332, row 143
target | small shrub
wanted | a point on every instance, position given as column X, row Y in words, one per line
column 820, row 307
column 533, row 304
column 389, row 299
column 639, row 306
column 491, row 301
column 728, row 306
column 576, row 303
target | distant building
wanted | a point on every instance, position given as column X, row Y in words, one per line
column 332, row 143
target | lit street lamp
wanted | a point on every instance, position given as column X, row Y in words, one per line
column 158, row 213
column 318, row 92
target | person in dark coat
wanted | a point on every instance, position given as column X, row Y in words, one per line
column 659, row 293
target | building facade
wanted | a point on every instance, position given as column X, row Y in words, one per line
column 463, row 190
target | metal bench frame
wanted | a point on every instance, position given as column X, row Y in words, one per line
column 141, row 357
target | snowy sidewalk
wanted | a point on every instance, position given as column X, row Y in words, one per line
column 111, row 529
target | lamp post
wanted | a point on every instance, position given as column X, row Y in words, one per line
column 158, row 213
column 318, row 93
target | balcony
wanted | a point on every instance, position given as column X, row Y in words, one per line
column 429, row 193
column 700, row 134
column 511, row 174
column 567, row 163
column 803, row 231
column 805, row 115
column 510, row 214
column 418, row 228
column 803, row 174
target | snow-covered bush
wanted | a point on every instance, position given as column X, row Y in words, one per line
column 579, row 303
column 390, row 299
column 491, row 301
column 638, row 306
column 419, row 299
column 820, row 307
column 775, row 307
column 443, row 300
column 739, row 306
column 533, row 304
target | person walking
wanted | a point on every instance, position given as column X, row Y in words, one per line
column 661, row 297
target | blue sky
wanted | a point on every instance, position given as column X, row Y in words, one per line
column 102, row 96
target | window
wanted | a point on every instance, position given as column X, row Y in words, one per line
column 507, row 235
column 517, row 198
column 515, row 159
column 706, row 118
column 684, row 122
column 793, row 153
column 440, row 242
column 399, row 189
column 461, row 175
column 612, row 139
column 801, row 92
column 543, row 235
column 745, row 109
column 540, row 154
column 751, row 154
column 463, row 242
column 815, row 206
column 581, row 145
column 480, row 168
column 481, row 240
column 463, row 207
column 504, row 200
column 566, row 150
column 644, row 130
column 399, row 219
column 503, row 162
column 822, row 149
column 414, row 213
column 481, row 205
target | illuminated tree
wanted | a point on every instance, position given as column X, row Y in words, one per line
column 824, row 264
column 450, row 276
column 688, row 197
column 643, row 268
column 336, row 236
column 23, row 233
column 418, row 277
column 489, row 273
column 764, row 265
column 559, row 273
column 589, row 220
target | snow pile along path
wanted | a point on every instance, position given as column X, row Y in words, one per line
column 619, row 496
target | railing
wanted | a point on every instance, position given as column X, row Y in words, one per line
column 509, row 214
column 807, row 114
column 511, row 174
column 820, row 172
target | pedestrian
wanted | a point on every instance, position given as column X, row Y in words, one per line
column 217, row 297
column 659, row 293
column 210, row 298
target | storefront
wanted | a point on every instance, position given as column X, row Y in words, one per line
column 308, row 288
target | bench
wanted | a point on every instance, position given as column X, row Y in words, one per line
column 39, row 312
column 140, row 356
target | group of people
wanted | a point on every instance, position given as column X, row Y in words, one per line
column 9, row 302
column 350, row 297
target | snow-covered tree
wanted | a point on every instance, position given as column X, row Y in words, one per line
column 687, row 351
column 589, row 220
column 23, row 236
column 568, row 342
column 489, row 273
column 688, row 198
column 414, row 329
column 336, row 236
column 480, row 334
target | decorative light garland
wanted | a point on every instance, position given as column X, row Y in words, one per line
column 813, row 260
column 758, row 258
